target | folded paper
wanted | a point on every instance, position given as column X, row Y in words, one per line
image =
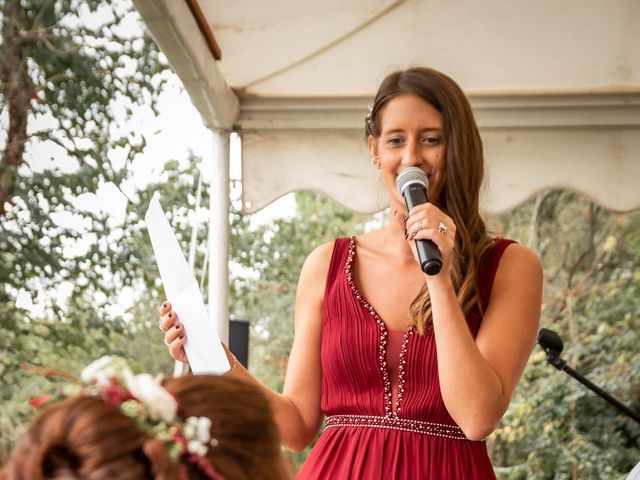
column 203, row 347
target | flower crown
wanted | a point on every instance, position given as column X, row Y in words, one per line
column 143, row 399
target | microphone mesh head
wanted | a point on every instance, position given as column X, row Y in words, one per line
column 409, row 176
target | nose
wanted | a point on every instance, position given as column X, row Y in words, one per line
column 412, row 155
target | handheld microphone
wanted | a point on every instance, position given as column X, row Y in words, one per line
column 413, row 184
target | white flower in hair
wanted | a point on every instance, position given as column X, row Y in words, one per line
column 197, row 431
column 197, row 448
column 154, row 410
column 146, row 388
column 198, row 428
column 204, row 429
column 101, row 372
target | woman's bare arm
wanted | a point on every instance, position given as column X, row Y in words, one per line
column 478, row 377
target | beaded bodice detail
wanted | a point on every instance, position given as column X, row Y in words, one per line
column 357, row 388
column 391, row 409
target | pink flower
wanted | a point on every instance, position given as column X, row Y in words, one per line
column 40, row 400
column 115, row 394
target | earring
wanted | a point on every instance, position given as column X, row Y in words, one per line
column 375, row 162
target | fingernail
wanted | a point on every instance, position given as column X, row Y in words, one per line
column 181, row 336
column 413, row 235
column 406, row 218
column 164, row 305
column 170, row 315
column 176, row 326
column 406, row 234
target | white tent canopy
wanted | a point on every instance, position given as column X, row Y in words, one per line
column 555, row 87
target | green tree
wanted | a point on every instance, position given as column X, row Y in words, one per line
column 72, row 73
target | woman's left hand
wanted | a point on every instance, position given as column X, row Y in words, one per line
column 428, row 222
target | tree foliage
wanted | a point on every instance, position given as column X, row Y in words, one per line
column 72, row 71
column 556, row 428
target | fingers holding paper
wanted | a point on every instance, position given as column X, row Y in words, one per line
column 174, row 334
column 168, row 317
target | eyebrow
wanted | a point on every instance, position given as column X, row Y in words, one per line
column 399, row 130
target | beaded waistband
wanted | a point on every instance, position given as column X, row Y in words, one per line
column 396, row 423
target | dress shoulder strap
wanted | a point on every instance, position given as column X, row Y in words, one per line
column 338, row 261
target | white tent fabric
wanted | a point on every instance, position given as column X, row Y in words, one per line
column 285, row 47
column 532, row 142
column 555, row 86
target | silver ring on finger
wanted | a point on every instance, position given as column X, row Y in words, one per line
column 167, row 343
column 160, row 325
column 442, row 228
column 419, row 224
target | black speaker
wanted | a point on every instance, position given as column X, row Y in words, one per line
column 239, row 340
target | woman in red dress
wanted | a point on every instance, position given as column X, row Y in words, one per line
column 411, row 371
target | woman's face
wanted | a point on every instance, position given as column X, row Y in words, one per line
column 411, row 135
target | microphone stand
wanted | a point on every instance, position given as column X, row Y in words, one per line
column 552, row 345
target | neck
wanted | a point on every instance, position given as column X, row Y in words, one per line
column 393, row 239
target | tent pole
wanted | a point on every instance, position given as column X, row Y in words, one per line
column 219, row 232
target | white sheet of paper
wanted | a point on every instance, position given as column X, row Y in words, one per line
column 203, row 348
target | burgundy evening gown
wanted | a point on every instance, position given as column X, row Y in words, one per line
column 380, row 391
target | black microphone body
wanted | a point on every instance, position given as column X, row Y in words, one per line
column 415, row 193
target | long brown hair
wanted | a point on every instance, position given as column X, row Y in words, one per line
column 465, row 171
column 85, row 437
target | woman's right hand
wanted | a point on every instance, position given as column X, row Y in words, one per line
column 174, row 335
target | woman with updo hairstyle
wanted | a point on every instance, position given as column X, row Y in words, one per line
column 409, row 369
column 85, row 438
